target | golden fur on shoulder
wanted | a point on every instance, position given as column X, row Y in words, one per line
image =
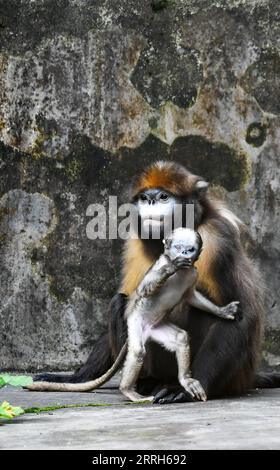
column 135, row 265
column 206, row 281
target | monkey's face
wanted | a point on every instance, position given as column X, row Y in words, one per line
column 183, row 243
column 160, row 211
column 155, row 208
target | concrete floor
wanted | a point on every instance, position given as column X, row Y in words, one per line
column 250, row 422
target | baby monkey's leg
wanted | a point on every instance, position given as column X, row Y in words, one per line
column 134, row 360
column 175, row 339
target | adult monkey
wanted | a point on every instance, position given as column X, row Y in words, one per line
column 224, row 357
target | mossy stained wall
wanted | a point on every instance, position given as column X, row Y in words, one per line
column 91, row 92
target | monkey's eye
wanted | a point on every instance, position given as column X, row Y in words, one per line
column 164, row 196
column 191, row 250
column 143, row 197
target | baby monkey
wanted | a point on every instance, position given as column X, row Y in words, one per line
column 172, row 277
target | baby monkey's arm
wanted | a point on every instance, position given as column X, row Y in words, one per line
column 157, row 276
column 196, row 299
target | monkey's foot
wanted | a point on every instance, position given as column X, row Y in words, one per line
column 194, row 387
column 172, row 394
column 229, row 311
column 136, row 397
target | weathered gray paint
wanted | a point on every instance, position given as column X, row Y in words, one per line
column 90, row 92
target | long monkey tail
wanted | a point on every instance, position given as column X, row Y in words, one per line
column 81, row 387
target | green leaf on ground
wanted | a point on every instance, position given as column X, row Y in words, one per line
column 8, row 411
column 15, row 380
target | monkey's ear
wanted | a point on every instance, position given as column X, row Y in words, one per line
column 167, row 243
column 201, row 187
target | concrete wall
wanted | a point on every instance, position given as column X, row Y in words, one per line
column 90, row 92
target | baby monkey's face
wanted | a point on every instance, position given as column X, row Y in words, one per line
column 183, row 243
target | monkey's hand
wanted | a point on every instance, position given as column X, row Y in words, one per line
column 169, row 269
column 149, row 286
column 229, row 311
column 181, row 263
column 194, row 388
